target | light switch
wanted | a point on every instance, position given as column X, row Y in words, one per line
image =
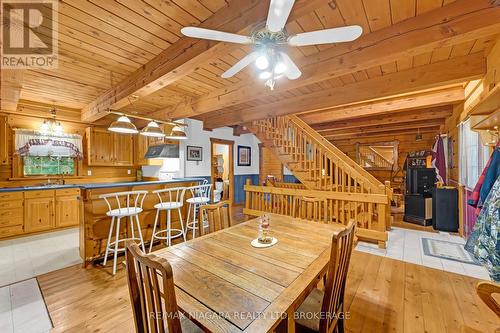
column 89, row 172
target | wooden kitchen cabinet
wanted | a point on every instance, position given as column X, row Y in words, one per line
column 123, row 150
column 67, row 208
column 39, row 213
column 4, row 141
column 105, row 148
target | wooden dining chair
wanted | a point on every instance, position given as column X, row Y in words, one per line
column 486, row 290
column 329, row 304
column 312, row 209
column 152, row 294
column 219, row 216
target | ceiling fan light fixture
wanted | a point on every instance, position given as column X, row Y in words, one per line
column 265, row 75
column 280, row 68
column 123, row 125
column 262, row 62
column 153, row 130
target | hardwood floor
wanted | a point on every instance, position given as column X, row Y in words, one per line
column 383, row 295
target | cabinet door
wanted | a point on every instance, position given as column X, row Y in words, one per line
column 100, row 147
column 123, row 149
column 4, row 141
column 67, row 211
column 141, row 145
column 38, row 214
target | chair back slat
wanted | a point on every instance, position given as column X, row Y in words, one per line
column 175, row 194
column 136, row 196
column 201, row 191
column 153, row 300
column 312, row 209
column 333, row 300
column 219, row 216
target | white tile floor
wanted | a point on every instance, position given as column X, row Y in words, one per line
column 27, row 257
column 22, row 309
column 406, row 245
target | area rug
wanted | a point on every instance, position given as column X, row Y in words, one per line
column 447, row 250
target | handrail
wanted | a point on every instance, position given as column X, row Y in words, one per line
column 370, row 211
column 315, row 161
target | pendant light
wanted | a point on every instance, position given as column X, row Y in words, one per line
column 123, row 125
column 177, row 133
column 153, row 130
column 418, row 137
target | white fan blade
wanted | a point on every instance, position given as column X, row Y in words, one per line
column 215, row 35
column 279, row 10
column 326, row 36
column 247, row 60
column 292, row 71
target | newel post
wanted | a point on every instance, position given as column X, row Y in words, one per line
column 388, row 192
column 247, row 194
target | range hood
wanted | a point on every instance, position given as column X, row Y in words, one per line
column 163, row 151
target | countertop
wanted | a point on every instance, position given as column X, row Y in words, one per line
column 98, row 185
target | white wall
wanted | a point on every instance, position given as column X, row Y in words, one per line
column 198, row 137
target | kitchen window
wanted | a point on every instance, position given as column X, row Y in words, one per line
column 48, row 165
column 473, row 155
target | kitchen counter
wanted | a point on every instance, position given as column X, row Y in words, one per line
column 98, row 185
column 94, row 224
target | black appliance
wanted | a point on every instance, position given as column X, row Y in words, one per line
column 418, row 209
column 420, row 180
column 445, row 209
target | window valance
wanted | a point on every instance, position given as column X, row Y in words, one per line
column 34, row 143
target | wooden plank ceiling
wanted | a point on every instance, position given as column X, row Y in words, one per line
column 109, row 49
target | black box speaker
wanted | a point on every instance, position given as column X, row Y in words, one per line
column 445, row 209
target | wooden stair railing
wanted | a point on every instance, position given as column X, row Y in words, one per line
column 370, row 211
column 315, row 161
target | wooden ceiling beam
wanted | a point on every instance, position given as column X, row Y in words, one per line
column 442, row 73
column 386, row 106
column 10, row 88
column 457, row 22
column 394, row 118
column 384, row 136
column 185, row 55
column 383, row 128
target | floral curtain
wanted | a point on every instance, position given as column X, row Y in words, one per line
column 33, row 143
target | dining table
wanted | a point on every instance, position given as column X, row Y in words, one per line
column 224, row 284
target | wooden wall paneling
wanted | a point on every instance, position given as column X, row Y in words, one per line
column 269, row 164
column 4, row 140
column 10, row 88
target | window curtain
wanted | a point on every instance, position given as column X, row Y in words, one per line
column 33, row 143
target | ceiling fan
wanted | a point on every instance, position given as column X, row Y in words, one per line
column 269, row 55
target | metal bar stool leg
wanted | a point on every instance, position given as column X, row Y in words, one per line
column 109, row 240
column 187, row 219
column 169, row 228
column 194, row 221
column 154, row 230
column 115, row 256
column 139, row 231
column 182, row 224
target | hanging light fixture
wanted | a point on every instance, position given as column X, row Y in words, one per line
column 51, row 126
column 123, row 125
column 177, row 133
column 418, row 137
column 153, row 130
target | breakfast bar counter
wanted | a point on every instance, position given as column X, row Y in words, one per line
column 94, row 224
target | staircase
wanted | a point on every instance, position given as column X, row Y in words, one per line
column 315, row 161
column 345, row 190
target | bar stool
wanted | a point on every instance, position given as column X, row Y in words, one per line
column 200, row 195
column 174, row 199
column 128, row 205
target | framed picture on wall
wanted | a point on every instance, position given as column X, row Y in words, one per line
column 244, row 156
column 194, row 153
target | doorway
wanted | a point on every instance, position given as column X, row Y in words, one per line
column 222, row 169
